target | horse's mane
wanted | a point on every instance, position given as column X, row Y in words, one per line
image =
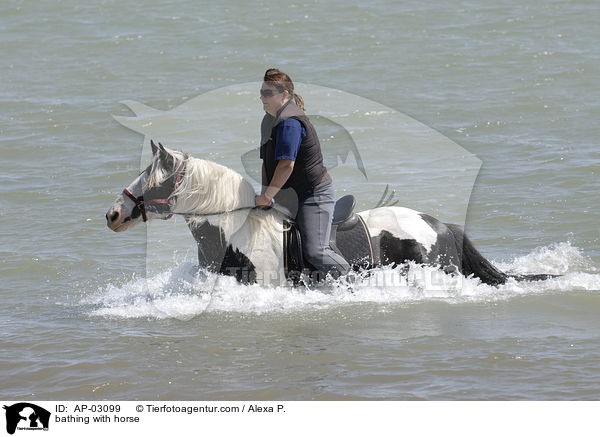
column 208, row 187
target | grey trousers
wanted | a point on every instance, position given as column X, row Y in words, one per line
column 315, row 214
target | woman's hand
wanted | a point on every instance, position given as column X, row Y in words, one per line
column 262, row 202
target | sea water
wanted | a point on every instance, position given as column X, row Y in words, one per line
column 90, row 314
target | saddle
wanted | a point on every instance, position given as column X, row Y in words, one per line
column 349, row 238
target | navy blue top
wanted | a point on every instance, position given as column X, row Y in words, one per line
column 290, row 133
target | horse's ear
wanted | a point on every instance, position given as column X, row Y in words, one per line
column 165, row 156
column 154, row 148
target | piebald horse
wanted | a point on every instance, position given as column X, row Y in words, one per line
column 235, row 238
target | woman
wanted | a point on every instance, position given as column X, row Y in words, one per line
column 292, row 159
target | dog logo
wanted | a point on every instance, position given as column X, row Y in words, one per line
column 26, row 416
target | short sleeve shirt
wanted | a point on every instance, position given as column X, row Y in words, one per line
column 289, row 135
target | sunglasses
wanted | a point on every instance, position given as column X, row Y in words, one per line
column 269, row 93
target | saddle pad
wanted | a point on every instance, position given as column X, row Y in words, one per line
column 355, row 245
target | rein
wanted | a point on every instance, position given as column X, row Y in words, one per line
column 213, row 213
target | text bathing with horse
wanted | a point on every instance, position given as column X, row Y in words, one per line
column 294, row 229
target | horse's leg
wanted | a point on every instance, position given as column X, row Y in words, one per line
column 399, row 234
column 211, row 245
column 236, row 264
column 393, row 250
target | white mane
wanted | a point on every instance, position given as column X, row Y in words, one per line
column 209, row 188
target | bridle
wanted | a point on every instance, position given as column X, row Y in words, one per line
column 141, row 203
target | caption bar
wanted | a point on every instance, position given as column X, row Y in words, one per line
column 292, row 418
column 73, row 418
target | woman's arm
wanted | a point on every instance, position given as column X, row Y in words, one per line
column 282, row 174
column 265, row 182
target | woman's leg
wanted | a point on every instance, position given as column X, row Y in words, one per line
column 315, row 214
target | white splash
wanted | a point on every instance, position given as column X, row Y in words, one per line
column 557, row 258
column 183, row 292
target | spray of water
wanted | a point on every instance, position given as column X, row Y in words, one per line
column 183, row 292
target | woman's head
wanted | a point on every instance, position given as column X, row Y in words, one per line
column 277, row 89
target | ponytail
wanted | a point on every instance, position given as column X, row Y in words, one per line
column 299, row 101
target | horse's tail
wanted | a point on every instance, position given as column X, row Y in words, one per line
column 536, row 277
column 473, row 262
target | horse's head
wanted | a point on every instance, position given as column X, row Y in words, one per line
column 150, row 195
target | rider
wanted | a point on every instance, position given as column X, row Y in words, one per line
column 292, row 158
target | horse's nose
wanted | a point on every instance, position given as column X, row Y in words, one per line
column 111, row 217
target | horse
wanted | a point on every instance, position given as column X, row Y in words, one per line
column 236, row 238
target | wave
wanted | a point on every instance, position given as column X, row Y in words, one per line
column 184, row 292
